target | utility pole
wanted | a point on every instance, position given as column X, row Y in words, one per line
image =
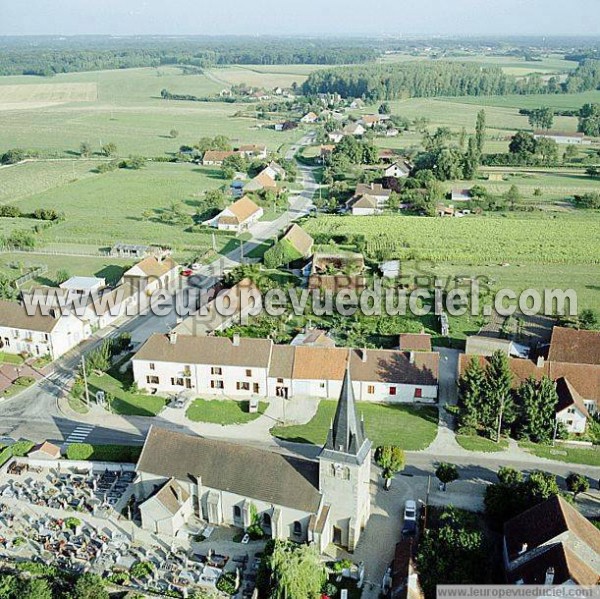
column 555, row 431
column 85, row 383
column 500, row 420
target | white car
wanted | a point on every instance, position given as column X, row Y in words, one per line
column 410, row 510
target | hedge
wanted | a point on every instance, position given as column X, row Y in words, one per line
column 104, row 453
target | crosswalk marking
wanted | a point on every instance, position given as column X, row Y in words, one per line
column 79, row 434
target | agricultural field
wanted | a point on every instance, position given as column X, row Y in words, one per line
column 267, row 76
column 107, row 208
column 129, row 112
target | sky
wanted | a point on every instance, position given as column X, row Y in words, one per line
column 291, row 17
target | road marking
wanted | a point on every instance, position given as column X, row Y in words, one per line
column 79, row 434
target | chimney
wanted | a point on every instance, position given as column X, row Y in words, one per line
column 524, row 547
column 549, row 576
column 540, row 362
column 236, row 339
column 172, row 335
column 364, row 354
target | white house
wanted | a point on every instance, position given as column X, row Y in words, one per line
column 237, row 217
column 84, row 284
column 363, row 205
column 355, row 129
column 399, row 169
column 335, row 136
column 51, row 334
column 216, row 157
column 571, row 410
column 574, row 139
column 168, row 509
column 245, row 367
column 253, row 151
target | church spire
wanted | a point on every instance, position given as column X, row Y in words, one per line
column 346, row 434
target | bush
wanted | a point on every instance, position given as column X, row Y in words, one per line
column 226, row 584
column 10, row 211
column 22, row 448
column 141, row 569
column 80, row 451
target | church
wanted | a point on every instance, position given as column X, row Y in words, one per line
column 221, row 483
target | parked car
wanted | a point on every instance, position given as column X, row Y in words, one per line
column 187, row 272
column 410, row 510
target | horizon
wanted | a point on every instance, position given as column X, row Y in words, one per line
column 461, row 18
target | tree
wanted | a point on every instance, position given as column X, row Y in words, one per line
column 471, row 159
column 470, row 395
column 513, row 196
column 35, row 588
column 390, row 459
column 570, row 153
column 522, row 144
column 498, row 407
column 109, row 149
column 90, row 586
column 537, row 402
column 173, row 133
column 480, row 131
column 384, row 108
column 296, row 571
column 85, row 149
column 62, row 275
column 577, row 483
column 446, row 473
column 541, row 118
column 589, row 120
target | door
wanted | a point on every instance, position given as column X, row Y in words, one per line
column 337, row 535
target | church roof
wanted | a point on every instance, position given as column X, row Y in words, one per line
column 347, row 433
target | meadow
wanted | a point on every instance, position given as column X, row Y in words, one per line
column 129, row 112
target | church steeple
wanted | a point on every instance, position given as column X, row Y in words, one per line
column 346, row 434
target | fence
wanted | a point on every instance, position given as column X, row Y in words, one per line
column 36, row 272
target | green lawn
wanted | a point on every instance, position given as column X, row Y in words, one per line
column 575, row 455
column 18, row 385
column 10, row 359
column 123, row 401
column 474, row 443
column 223, row 412
column 409, row 427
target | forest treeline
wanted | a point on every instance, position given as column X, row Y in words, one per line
column 50, row 58
column 443, row 78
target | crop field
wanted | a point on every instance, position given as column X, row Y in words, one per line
column 556, row 185
column 50, row 93
column 104, row 209
column 129, row 112
column 267, row 76
column 528, row 238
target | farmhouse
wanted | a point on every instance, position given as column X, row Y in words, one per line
column 460, row 195
column 266, row 179
column 574, row 139
column 335, row 136
column 39, row 335
column 399, row 169
column 374, row 190
column 83, row 284
column 253, row 151
column 152, row 274
column 237, row 217
column 275, row 171
column 222, row 483
column 313, row 338
column 363, row 205
column 245, row 367
column 551, row 543
column 414, row 342
column 216, row 157
column 310, row 117
column 299, row 239
column 355, row 129
column 129, row 250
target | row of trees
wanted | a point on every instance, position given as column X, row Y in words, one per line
column 421, row 79
column 525, row 150
column 489, row 405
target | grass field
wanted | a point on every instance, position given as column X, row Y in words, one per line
column 267, row 76
column 48, row 93
column 14, row 265
column 106, row 208
column 412, row 428
column 124, row 401
column 474, row 443
column 130, row 112
column 576, row 455
column 223, row 412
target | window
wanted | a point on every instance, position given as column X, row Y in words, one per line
column 177, row 381
column 248, row 372
column 242, row 386
column 216, row 384
column 46, row 337
column 237, row 511
column 569, row 423
column 7, row 341
column 152, row 380
column 152, row 366
column 188, row 383
column 571, row 411
column 371, row 389
column 297, row 528
column 216, row 370
column 392, row 390
column 255, row 388
column 418, row 392
column 280, row 381
column 322, row 385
